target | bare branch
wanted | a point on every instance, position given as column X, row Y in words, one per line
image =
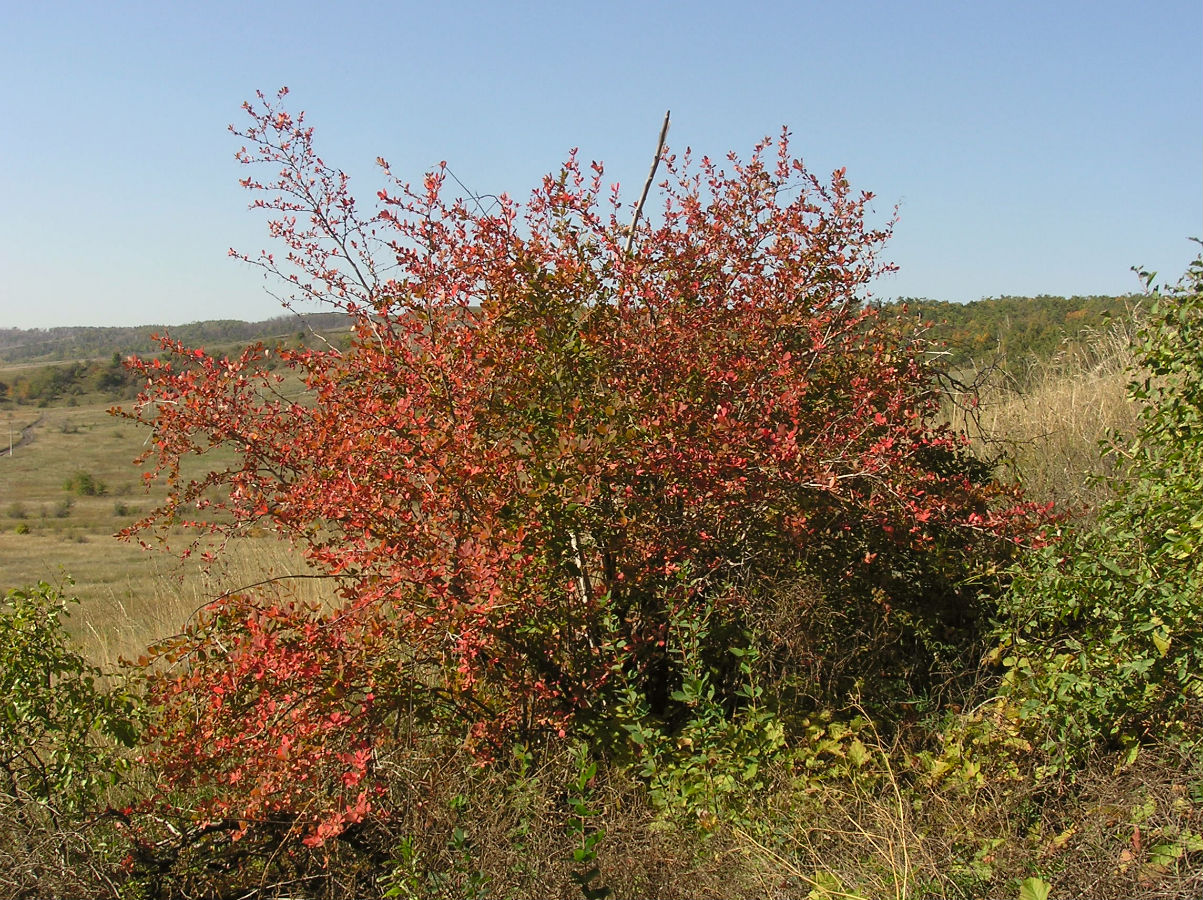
column 647, row 185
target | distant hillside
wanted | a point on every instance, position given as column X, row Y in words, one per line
column 1016, row 332
column 74, row 343
column 57, row 366
column 65, row 365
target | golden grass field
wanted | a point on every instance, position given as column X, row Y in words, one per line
column 1052, row 429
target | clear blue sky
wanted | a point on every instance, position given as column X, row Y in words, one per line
column 1033, row 147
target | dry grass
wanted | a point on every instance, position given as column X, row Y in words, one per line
column 883, row 831
column 64, row 530
column 116, row 624
column 129, row 596
column 521, row 840
column 1118, row 831
column 48, row 857
column 1050, row 428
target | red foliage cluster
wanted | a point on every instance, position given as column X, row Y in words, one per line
column 536, row 451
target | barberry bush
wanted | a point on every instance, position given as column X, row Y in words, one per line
column 558, row 438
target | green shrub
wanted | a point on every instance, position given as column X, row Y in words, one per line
column 706, row 765
column 84, row 484
column 59, row 726
column 1104, row 638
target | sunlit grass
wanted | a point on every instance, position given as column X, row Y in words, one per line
column 1049, row 432
column 48, row 532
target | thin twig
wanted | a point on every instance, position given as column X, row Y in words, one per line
column 648, row 184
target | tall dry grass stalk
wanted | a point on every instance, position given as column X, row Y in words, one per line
column 859, row 846
column 1048, row 430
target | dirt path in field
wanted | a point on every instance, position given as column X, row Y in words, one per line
column 26, row 436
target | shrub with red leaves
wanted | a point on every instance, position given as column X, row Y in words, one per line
column 544, row 444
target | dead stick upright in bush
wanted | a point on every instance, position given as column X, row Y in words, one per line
column 647, row 185
column 582, row 577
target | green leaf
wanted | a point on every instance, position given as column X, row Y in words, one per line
column 1034, row 889
column 1161, row 640
column 858, row 754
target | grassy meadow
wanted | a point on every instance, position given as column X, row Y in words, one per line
column 66, row 490
column 1047, row 430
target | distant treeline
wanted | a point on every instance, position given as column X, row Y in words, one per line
column 83, row 342
column 31, row 371
column 1015, row 333
column 53, row 384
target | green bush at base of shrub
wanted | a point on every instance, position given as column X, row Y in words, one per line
column 59, row 725
column 1104, row 631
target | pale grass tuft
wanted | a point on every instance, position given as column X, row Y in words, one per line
column 863, row 843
